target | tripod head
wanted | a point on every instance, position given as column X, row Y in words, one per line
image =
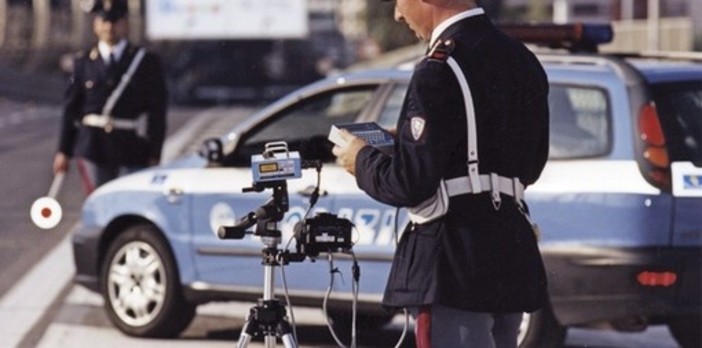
column 265, row 217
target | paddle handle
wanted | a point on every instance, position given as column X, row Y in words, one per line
column 56, row 185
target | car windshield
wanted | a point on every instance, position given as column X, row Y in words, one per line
column 305, row 125
column 679, row 106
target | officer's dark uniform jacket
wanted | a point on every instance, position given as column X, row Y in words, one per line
column 89, row 88
column 476, row 257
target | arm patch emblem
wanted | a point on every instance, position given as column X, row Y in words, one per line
column 417, row 127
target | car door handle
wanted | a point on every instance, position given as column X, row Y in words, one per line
column 174, row 194
column 307, row 192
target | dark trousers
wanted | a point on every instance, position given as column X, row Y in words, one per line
column 440, row 326
column 94, row 175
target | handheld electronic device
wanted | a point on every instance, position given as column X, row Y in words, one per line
column 371, row 132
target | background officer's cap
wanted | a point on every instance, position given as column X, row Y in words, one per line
column 110, row 10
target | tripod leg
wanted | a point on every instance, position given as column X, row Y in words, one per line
column 286, row 335
column 247, row 331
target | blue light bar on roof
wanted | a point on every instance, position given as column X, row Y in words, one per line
column 598, row 33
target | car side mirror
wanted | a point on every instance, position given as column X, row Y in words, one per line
column 212, row 150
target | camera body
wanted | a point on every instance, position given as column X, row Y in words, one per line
column 323, row 233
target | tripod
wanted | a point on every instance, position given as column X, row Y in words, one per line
column 268, row 317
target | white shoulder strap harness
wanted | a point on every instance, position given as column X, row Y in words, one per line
column 474, row 182
column 105, row 119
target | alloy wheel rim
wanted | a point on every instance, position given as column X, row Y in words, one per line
column 136, row 283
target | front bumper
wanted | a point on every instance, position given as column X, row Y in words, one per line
column 86, row 254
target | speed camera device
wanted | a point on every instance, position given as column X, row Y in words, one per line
column 276, row 163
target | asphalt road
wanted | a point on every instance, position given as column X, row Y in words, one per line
column 40, row 307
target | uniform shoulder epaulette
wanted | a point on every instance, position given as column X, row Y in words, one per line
column 94, row 53
column 441, row 50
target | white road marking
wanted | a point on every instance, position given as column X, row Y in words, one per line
column 63, row 335
column 28, row 300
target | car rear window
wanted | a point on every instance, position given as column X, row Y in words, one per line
column 679, row 107
column 393, row 107
column 579, row 121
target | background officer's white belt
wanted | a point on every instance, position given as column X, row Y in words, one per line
column 108, row 122
column 462, row 185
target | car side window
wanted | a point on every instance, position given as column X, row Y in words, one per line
column 679, row 108
column 305, row 125
column 579, row 122
column 393, row 106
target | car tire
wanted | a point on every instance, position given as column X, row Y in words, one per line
column 686, row 331
column 140, row 285
column 541, row 329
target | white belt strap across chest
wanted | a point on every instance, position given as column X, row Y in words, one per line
column 109, row 123
column 476, row 183
column 437, row 205
column 105, row 119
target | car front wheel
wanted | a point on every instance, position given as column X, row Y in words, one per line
column 140, row 285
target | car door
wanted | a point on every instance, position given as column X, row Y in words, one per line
column 680, row 107
column 304, row 125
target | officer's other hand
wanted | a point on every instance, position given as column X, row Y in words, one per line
column 60, row 163
column 346, row 155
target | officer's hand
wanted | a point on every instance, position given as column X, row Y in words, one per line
column 60, row 163
column 346, row 155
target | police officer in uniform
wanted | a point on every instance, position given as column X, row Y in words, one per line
column 472, row 135
column 114, row 116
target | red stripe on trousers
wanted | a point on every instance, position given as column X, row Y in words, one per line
column 88, row 185
column 422, row 329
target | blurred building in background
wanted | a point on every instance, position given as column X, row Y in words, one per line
column 250, row 58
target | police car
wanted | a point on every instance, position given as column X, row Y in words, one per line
column 618, row 204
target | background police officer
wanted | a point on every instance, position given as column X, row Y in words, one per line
column 111, row 129
column 472, row 134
